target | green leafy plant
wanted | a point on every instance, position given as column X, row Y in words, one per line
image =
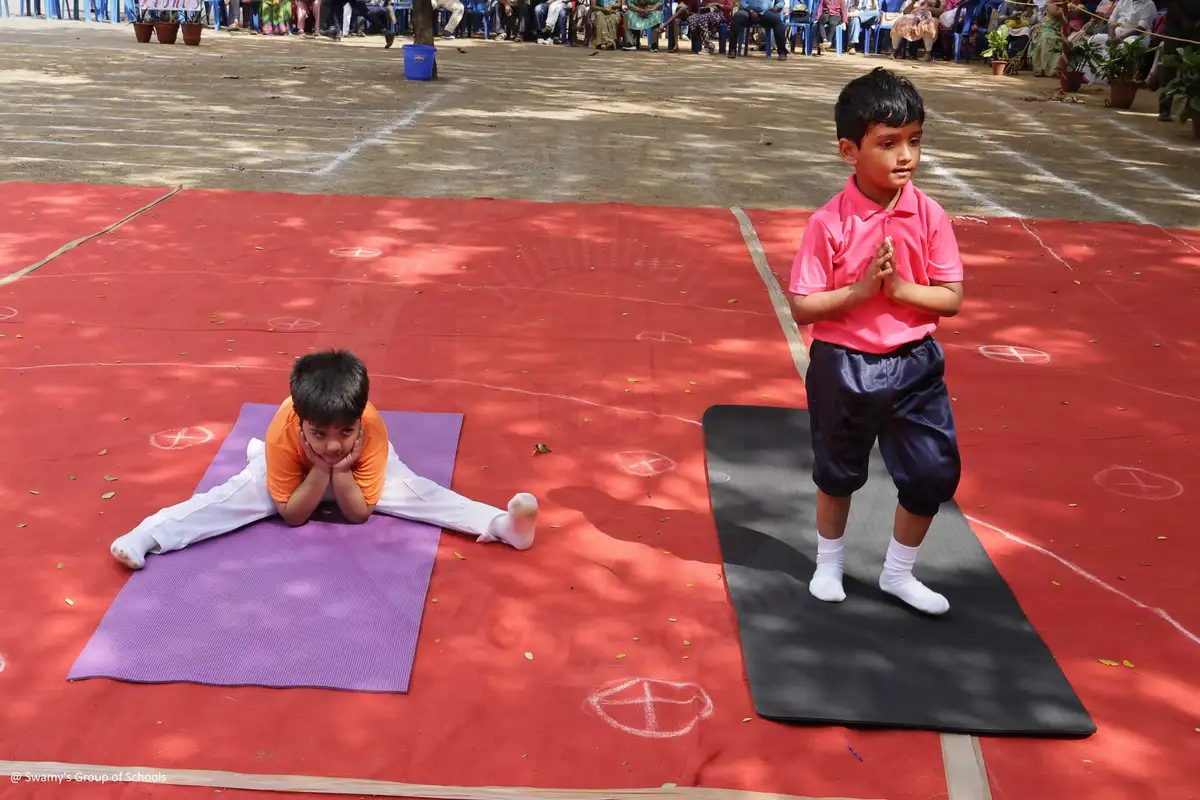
column 997, row 41
column 1185, row 85
column 1082, row 55
column 1124, row 61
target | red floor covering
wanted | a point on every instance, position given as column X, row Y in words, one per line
column 524, row 317
column 1079, row 438
column 36, row 219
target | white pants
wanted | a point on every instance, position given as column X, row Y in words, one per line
column 553, row 12
column 456, row 9
column 244, row 499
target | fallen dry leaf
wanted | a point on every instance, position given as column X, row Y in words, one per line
column 103, row 452
column 108, row 495
column 687, row 643
column 1108, row 663
column 689, row 584
column 587, row 419
column 31, row 491
column 1056, row 583
column 540, row 448
column 70, row 477
column 60, row 566
column 745, row 719
column 433, row 600
column 1127, row 663
column 632, row 380
column 22, row 524
column 731, row 300
column 672, row 619
column 109, row 477
column 529, row 655
column 620, row 655
column 460, row 556
column 70, row 602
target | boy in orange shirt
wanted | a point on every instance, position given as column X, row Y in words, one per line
column 326, row 442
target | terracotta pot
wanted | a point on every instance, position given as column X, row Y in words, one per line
column 998, row 67
column 1070, row 81
column 192, row 32
column 1121, row 93
column 166, row 32
column 142, row 31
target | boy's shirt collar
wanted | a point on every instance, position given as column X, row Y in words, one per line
column 867, row 208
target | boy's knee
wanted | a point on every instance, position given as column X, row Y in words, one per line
column 838, row 479
column 923, row 495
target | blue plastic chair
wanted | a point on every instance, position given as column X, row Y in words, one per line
column 961, row 30
column 808, row 29
column 885, row 7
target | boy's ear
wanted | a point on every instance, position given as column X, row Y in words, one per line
column 848, row 150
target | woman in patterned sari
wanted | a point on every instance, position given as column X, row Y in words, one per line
column 277, row 17
column 642, row 15
column 918, row 21
column 706, row 25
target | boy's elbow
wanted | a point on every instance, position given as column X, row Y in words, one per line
column 800, row 314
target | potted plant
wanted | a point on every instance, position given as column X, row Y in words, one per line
column 192, row 28
column 1120, row 67
column 1081, row 55
column 166, row 26
column 1185, row 85
column 142, row 30
column 997, row 49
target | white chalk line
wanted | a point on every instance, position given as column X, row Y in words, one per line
column 1083, row 573
column 1024, row 159
column 402, row 121
column 1183, row 242
column 779, row 300
column 369, row 282
column 1045, row 246
column 200, row 110
column 374, row 375
column 950, row 177
column 1178, row 188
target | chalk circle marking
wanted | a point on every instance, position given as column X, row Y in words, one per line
column 663, row 336
column 7, row 312
column 1138, row 483
column 181, row 438
column 354, row 252
column 644, row 463
column 1014, row 354
column 649, row 694
column 291, row 323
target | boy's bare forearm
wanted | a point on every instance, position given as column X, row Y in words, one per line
column 819, row 306
column 942, row 299
column 349, row 497
column 304, row 501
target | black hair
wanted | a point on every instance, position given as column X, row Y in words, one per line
column 880, row 97
column 329, row 388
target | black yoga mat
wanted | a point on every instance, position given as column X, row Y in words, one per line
column 871, row 660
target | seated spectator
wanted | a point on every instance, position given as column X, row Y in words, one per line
column 512, row 11
column 642, row 15
column 833, row 14
column 305, row 10
column 705, row 25
column 1046, row 42
column 606, row 21
column 547, row 14
column 765, row 13
column 276, row 17
column 1130, row 19
column 918, row 21
column 863, row 15
column 456, row 9
column 684, row 9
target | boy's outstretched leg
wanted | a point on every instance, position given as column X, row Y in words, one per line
column 239, row 501
column 897, row 578
column 832, row 513
column 410, row 496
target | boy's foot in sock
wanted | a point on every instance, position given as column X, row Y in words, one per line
column 131, row 549
column 897, row 580
column 826, row 583
column 516, row 528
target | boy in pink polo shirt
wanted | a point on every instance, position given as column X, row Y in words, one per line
column 878, row 267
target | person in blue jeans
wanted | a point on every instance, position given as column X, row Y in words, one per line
column 766, row 13
column 862, row 15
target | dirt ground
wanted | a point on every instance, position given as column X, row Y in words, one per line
column 85, row 102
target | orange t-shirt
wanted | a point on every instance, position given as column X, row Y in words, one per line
column 287, row 465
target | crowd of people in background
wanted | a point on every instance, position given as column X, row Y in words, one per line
column 1039, row 32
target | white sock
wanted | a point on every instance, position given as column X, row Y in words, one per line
column 826, row 583
column 897, row 579
column 515, row 528
column 131, row 549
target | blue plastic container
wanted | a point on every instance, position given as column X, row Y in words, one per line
column 419, row 61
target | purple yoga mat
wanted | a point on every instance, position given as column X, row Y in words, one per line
column 327, row 604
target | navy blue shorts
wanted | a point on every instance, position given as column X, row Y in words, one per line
column 898, row 397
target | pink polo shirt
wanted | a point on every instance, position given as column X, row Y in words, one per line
column 839, row 243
